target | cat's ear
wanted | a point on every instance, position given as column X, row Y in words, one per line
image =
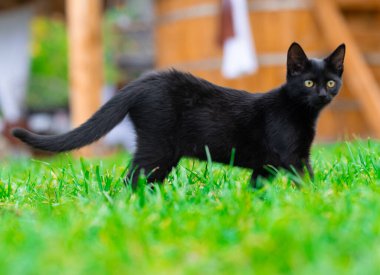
column 336, row 59
column 297, row 60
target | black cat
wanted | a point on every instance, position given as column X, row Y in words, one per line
column 176, row 114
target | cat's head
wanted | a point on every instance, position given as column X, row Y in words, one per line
column 314, row 82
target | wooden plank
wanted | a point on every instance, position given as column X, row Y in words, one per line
column 376, row 72
column 85, row 60
column 358, row 75
column 169, row 6
column 358, row 4
column 365, row 28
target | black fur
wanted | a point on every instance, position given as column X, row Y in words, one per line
column 176, row 114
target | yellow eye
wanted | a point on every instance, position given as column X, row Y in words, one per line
column 331, row 84
column 309, row 83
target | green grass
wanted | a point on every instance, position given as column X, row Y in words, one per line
column 66, row 216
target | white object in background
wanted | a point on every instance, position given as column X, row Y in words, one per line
column 14, row 61
column 239, row 54
column 40, row 122
column 123, row 134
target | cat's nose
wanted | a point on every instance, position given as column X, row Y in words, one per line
column 322, row 92
column 325, row 97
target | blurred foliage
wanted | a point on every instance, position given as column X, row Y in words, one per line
column 48, row 83
column 49, row 48
column 110, row 45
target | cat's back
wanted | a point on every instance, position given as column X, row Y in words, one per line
column 189, row 89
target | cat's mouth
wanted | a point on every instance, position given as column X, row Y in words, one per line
column 320, row 102
column 325, row 99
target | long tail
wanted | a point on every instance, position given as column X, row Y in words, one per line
column 106, row 118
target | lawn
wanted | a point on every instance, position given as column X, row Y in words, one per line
column 69, row 216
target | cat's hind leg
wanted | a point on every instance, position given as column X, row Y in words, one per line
column 153, row 165
column 258, row 175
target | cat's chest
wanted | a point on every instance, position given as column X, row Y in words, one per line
column 287, row 136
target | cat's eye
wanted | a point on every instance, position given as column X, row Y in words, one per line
column 330, row 84
column 309, row 83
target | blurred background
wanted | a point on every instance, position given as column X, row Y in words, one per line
column 60, row 59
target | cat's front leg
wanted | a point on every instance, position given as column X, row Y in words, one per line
column 303, row 166
column 309, row 169
column 300, row 168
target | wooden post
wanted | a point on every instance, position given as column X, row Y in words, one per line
column 85, row 60
column 358, row 75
